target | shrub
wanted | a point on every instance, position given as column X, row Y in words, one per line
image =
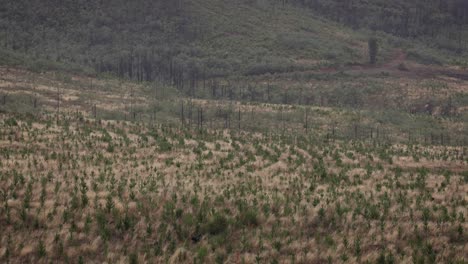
column 423, row 57
column 218, row 224
column 11, row 122
column 133, row 258
column 402, row 67
column 357, row 247
column 271, row 66
column 41, row 250
column 109, row 203
column 248, row 218
column 202, row 253
column 164, row 144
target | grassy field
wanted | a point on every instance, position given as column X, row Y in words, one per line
column 116, row 173
column 115, row 191
column 226, row 132
column 397, row 101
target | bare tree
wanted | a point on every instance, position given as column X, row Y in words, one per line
column 35, row 97
column 58, row 103
column 132, row 111
column 182, row 119
column 5, row 98
column 239, row 118
column 95, row 111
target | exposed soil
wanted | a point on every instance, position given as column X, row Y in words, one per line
column 398, row 65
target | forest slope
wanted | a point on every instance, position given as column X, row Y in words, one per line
column 170, row 40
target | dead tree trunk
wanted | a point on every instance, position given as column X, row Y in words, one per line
column 225, row 120
column 201, row 119
column 131, row 103
column 239, row 119
column 282, row 121
column 182, row 113
column 35, row 97
column 58, row 104
column 95, row 111
column 333, row 132
column 306, row 121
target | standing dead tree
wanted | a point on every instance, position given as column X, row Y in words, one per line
column 58, row 103
column 132, row 110
column 34, row 97
column 95, row 111
column 282, row 122
column 239, row 118
column 4, row 98
column 373, row 50
column 190, row 113
column 200, row 119
column 182, row 118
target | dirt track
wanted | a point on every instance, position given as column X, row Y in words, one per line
column 399, row 65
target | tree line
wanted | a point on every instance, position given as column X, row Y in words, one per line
column 446, row 19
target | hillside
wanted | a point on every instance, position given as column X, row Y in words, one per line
column 281, row 53
column 148, row 40
column 442, row 23
column 216, row 55
column 247, row 131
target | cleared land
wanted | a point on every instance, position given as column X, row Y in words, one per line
column 215, row 131
column 126, row 192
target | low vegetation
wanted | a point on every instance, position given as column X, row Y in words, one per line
column 112, row 191
column 216, row 131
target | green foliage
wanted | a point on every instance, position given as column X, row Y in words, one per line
column 41, row 249
column 305, row 194
column 357, row 247
column 427, row 19
column 217, row 225
column 424, row 57
column 133, row 258
column 202, row 253
column 109, row 203
column 102, row 225
column 163, row 144
column 373, row 50
column 176, row 42
column 248, row 218
column 11, row 122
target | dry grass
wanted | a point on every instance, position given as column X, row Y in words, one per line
column 125, row 192
column 86, row 190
